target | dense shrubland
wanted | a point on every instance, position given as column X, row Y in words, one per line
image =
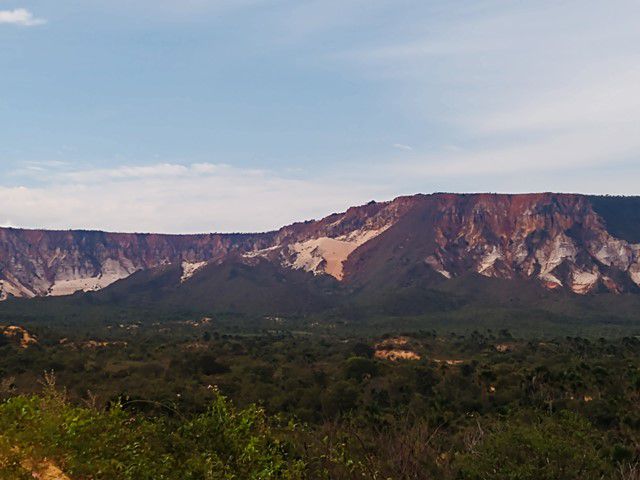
column 198, row 401
column 87, row 442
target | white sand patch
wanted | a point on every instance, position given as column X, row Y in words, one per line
column 5, row 290
column 485, row 267
column 615, row 252
column 70, row 282
column 69, row 287
column 583, row 282
column 634, row 273
column 547, row 277
column 521, row 253
column 436, row 264
column 322, row 255
column 529, row 266
column 361, row 237
column 327, row 255
column 445, row 274
column 551, row 256
column 261, row 253
column 10, row 289
column 189, row 269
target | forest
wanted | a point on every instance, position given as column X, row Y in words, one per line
column 138, row 395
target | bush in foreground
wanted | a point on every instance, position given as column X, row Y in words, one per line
column 222, row 443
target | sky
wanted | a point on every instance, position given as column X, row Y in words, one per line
column 185, row 116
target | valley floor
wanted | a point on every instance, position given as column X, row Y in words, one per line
column 192, row 397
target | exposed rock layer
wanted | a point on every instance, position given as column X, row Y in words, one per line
column 575, row 242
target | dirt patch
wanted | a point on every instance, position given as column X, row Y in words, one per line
column 451, row 362
column 92, row 344
column 44, row 470
column 505, row 347
column 196, row 346
column 395, row 355
column 203, row 322
column 19, row 335
column 395, row 342
column 95, row 344
column 394, row 349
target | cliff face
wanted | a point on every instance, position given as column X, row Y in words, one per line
column 41, row 263
column 585, row 244
column 560, row 240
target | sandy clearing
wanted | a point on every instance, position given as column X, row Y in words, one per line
column 189, row 269
column 69, row 287
column 23, row 336
column 488, row 260
column 44, row 470
column 327, row 255
column 396, row 354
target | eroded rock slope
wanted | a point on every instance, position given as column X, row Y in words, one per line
column 581, row 243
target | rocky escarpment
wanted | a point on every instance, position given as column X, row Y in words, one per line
column 561, row 241
column 324, row 246
column 52, row 263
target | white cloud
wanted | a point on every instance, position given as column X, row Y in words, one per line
column 310, row 17
column 582, row 125
column 556, row 155
column 401, row 146
column 520, row 96
column 541, row 89
column 21, row 17
column 176, row 198
column 610, row 97
column 174, row 10
column 124, row 173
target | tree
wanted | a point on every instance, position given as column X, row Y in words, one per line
column 562, row 446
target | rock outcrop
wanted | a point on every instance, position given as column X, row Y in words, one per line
column 563, row 241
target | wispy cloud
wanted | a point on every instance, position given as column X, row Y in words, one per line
column 401, row 146
column 486, row 95
column 21, row 17
column 520, row 88
column 606, row 98
column 179, row 198
column 177, row 11
column 557, row 156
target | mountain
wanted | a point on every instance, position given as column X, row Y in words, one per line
column 560, row 242
column 37, row 263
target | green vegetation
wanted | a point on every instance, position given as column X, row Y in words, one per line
column 90, row 443
column 143, row 396
column 543, row 447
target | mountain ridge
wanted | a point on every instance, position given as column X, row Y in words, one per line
column 563, row 241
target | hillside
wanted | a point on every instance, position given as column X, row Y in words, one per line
column 574, row 243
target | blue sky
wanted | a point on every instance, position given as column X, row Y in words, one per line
column 243, row 115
